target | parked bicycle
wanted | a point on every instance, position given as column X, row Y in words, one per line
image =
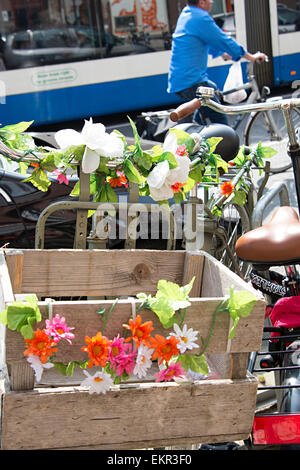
column 269, row 249
column 262, row 124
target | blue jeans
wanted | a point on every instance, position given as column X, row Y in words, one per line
column 204, row 113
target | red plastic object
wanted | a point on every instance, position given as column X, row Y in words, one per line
column 276, row 429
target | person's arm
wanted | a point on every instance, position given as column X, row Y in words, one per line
column 260, row 56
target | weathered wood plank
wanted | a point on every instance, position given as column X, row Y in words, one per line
column 193, row 266
column 56, row 273
column 14, row 261
column 121, row 419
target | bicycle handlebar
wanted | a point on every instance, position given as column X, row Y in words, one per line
column 205, row 95
column 185, row 109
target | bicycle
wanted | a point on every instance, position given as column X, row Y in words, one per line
column 275, row 244
column 262, row 124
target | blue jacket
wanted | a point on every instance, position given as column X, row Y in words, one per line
column 197, row 35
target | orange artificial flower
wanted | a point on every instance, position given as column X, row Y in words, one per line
column 97, row 348
column 140, row 331
column 164, row 348
column 118, row 181
column 35, row 165
column 227, row 188
column 40, row 345
column 177, row 187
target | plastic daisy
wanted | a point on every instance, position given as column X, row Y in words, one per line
column 40, row 345
column 140, row 331
column 164, row 349
column 38, row 366
column 171, row 372
column 98, row 349
column 186, row 337
column 100, row 382
column 143, row 361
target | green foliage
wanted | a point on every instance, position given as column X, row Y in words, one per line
column 21, row 316
column 196, row 363
column 169, row 298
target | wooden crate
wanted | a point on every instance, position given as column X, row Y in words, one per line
column 59, row 414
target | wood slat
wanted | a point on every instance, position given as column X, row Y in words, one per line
column 121, row 418
column 54, row 273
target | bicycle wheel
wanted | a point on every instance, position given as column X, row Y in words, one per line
column 269, row 128
column 232, row 223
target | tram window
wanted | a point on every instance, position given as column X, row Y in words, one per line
column 223, row 13
column 58, row 31
column 288, row 17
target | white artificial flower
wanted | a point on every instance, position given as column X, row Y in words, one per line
column 38, row 366
column 177, row 304
column 97, row 143
column 161, row 179
column 170, row 143
column 186, row 338
column 100, row 382
column 191, row 376
column 143, row 361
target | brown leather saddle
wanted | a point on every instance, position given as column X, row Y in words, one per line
column 275, row 243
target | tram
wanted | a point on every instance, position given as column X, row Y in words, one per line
column 63, row 60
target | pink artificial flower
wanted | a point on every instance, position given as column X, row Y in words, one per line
column 125, row 361
column 58, row 329
column 181, row 150
column 62, row 177
column 172, row 371
column 117, row 349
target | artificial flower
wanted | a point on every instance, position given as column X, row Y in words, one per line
column 174, row 370
column 100, row 382
column 186, row 338
column 40, row 345
column 227, row 188
column 38, row 366
column 192, row 376
column 161, row 179
column 143, row 361
column 62, row 177
column 125, row 361
column 58, row 329
column 98, row 349
column 97, row 143
column 164, row 348
column 140, row 331
column 181, row 150
column 119, row 180
column 117, row 348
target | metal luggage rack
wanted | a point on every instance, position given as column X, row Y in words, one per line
column 273, row 423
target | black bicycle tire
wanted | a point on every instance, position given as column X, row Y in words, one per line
column 248, row 131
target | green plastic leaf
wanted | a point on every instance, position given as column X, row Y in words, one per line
column 213, row 143
column 184, row 138
column 17, row 128
column 132, row 173
column 174, row 293
column 39, row 179
column 21, row 316
column 240, row 304
column 239, row 197
column 196, row 363
column 164, row 310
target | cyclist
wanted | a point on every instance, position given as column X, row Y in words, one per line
column 196, row 35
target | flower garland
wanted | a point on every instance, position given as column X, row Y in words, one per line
column 166, row 172
column 132, row 354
